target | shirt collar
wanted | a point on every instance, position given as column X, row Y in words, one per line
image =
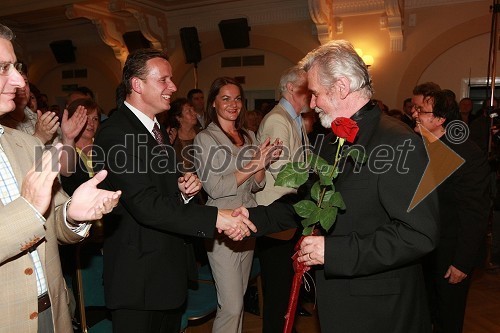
column 289, row 108
column 291, row 111
column 145, row 120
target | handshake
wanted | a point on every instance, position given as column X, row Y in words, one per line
column 235, row 223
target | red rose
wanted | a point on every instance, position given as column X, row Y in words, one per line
column 345, row 128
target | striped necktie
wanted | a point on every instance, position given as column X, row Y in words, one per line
column 157, row 134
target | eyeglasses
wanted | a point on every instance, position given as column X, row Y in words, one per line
column 6, row 67
column 419, row 109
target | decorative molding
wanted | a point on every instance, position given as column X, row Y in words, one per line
column 152, row 23
column 343, row 8
column 110, row 29
column 394, row 25
column 320, row 11
column 327, row 16
column 339, row 26
column 413, row 4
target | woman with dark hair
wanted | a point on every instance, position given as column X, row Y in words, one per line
column 82, row 172
column 83, row 144
column 231, row 168
column 182, row 117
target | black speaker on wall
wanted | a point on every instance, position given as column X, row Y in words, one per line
column 63, row 51
column 191, row 45
column 234, row 33
column 135, row 40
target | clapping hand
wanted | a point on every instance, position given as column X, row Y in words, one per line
column 46, row 125
column 37, row 184
column 71, row 127
column 268, row 152
column 91, row 203
column 235, row 224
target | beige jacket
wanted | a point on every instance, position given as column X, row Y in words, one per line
column 20, row 229
column 278, row 124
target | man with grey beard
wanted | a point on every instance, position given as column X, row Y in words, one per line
column 368, row 275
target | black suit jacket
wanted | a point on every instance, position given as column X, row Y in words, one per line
column 464, row 205
column 145, row 265
column 372, row 280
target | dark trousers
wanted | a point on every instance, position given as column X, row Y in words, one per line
column 447, row 301
column 277, row 274
column 448, row 305
column 495, row 237
column 134, row 321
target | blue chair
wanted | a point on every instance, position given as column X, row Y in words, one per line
column 205, row 273
column 91, row 293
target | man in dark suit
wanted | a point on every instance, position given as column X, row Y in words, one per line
column 145, row 259
column 407, row 113
column 464, row 206
column 369, row 278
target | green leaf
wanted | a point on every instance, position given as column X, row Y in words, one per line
column 328, row 197
column 337, row 201
column 325, row 180
column 336, row 172
column 315, row 191
column 308, row 222
column 315, row 214
column 326, row 170
column 316, row 162
column 328, row 217
column 293, row 174
column 305, row 208
column 307, row 231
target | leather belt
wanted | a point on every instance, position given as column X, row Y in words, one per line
column 43, row 302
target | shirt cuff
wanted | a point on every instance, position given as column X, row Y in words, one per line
column 186, row 200
column 37, row 213
column 78, row 228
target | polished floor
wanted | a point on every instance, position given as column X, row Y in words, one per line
column 482, row 315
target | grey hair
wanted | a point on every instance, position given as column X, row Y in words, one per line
column 292, row 74
column 337, row 59
column 6, row 33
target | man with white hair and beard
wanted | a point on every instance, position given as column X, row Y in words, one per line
column 369, row 278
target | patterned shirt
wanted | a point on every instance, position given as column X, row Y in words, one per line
column 9, row 191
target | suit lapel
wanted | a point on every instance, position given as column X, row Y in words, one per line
column 159, row 155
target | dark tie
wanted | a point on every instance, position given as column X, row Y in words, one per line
column 157, row 134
